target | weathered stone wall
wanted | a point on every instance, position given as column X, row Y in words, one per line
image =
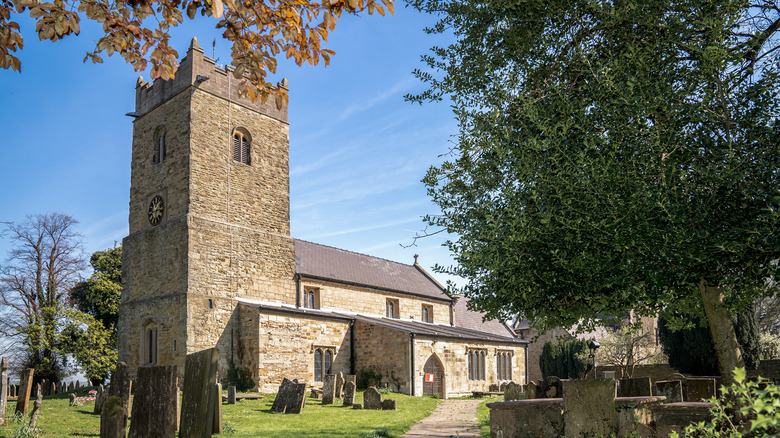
column 372, row 301
column 454, row 357
column 384, row 351
column 278, row 345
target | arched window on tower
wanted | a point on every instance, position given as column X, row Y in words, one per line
column 160, row 152
column 242, row 146
column 149, row 344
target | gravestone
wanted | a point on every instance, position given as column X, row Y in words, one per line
column 216, row 428
column 671, row 389
column 78, row 384
column 372, row 399
column 197, row 405
column 52, row 388
column 120, row 386
column 36, row 407
column 100, row 398
column 635, row 387
column 113, row 420
column 493, row 387
column 350, row 378
column 4, row 390
column 154, row 404
column 589, row 407
column 328, row 389
column 513, row 391
column 552, row 387
column 530, row 390
column 349, row 394
column 389, row 405
column 25, row 386
column 231, row 395
column 339, row 384
column 72, row 400
column 280, row 402
column 291, row 397
column 44, row 385
column 699, row 389
column 71, row 387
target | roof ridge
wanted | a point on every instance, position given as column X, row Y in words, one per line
column 354, row 252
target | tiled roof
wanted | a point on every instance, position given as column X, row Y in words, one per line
column 473, row 320
column 327, row 263
column 403, row 325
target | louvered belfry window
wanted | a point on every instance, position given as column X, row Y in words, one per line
column 241, row 150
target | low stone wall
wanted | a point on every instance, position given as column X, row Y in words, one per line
column 655, row 372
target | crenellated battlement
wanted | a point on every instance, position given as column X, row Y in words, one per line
column 200, row 71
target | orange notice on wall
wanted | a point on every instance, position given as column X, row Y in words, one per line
column 429, row 377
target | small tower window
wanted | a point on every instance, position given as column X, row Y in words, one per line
column 160, row 152
column 149, row 344
column 242, row 147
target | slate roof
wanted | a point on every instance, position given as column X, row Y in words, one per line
column 328, row 263
column 473, row 320
column 403, row 325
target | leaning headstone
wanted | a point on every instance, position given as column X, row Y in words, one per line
column 4, row 390
column 113, row 421
column 671, row 389
column 72, row 401
column 339, row 384
column 635, row 387
column 280, row 402
column 513, row 391
column 36, row 408
column 372, row 399
column 216, row 427
column 349, row 394
column 296, row 399
column 698, row 389
column 120, row 385
column 25, row 386
column 100, row 398
column 589, row 407
column 197, row 405
column 389, row 405
column 328, row 389
column 154, row 404
column 231, row 395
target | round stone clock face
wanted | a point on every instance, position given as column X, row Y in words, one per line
column 156, row 210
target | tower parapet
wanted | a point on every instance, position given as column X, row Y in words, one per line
column 200, row 71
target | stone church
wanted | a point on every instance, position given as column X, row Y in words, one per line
column 209, row 261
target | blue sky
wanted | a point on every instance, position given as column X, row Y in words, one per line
column 357, row 149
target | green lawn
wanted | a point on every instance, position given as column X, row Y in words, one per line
column 250, row 418
column 483, row 415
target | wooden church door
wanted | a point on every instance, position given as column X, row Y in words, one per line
column 433, row 377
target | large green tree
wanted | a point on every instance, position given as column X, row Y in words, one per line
column 612, row 156
column 100, row 294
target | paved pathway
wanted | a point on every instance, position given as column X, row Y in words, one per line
column 452, row 418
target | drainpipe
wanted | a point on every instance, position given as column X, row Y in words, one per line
column 297, row 278
column 352, row 347
column 412, row 363
column 452, row 314
column 526, row 363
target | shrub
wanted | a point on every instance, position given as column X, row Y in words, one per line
column 366, row 378
column 241, row 378
column 567, row 359
column 758, row 405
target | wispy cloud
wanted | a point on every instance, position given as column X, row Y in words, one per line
column 368, row 103
column 366, row 228
column 322, row 162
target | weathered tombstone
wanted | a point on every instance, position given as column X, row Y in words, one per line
column 530, row 390
column 25, row 386
column 513, row 391
column 389, row 405
column 52, row 388
column 197, row 406
column 699, row 389
column 71, row 387
column 280, row 402
column 78, row 384
column 72, row 400
column 552, row 387
column 100, row 398
column 349, row 394
column 231, row 395
column 216, row 428
column 44, row 385
column 154, row 405
column 372, row 399
column 671, row 389
column 339, row 384
column 328, row 389
column 296, row 399
column 635, row 387
column 589, row 407
column 4, row 390
column 493, row 387
column 120, row 386
column 36, row 407
column 350, row 378
column 113, row 420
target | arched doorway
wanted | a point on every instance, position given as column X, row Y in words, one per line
column 433, row 377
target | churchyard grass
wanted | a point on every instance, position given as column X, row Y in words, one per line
column 250, row 418
column 483, row 415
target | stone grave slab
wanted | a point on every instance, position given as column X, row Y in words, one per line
column 350, row 378
column 328, row 389
column 280, row 402
column 339, row 384
column 635, row 387
column 349, row 394
column 231, row 395
column 100, row 398
column 530, row 391
column 588, row 407
column 216, row 427
column 154, row 404
column 121, row 386
column 25, row 387
column 671, row 389
column 699, row 389
column 372, row 399
column 197, row 405
column 513, row 391
column 113, row 421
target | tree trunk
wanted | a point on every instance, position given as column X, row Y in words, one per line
column 722, row 329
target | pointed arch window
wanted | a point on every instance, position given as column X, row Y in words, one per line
column 160, row 151
column 476, row 360
column 504, row 365
column 242, row 147
column 323, row 362
column 149, row 344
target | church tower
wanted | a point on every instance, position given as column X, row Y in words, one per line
column 209, row 215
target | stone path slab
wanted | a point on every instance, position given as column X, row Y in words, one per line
column 452, row 418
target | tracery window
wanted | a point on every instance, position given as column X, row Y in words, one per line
column 323, row 361
column 476, row 360
column 504, row 365
column 241, row 147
